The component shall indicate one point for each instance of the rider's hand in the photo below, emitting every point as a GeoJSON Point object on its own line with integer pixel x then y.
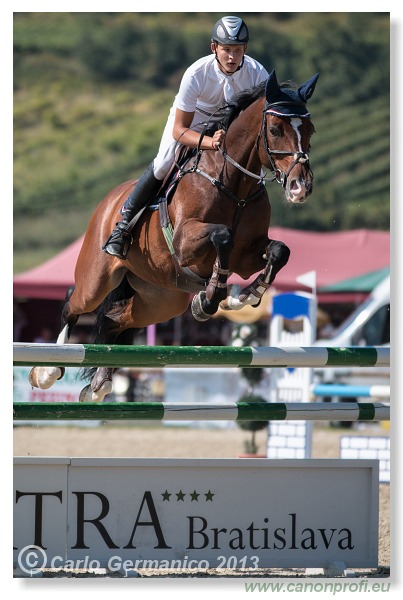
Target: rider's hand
{"type": "Point", "coordinates": [217, 139]}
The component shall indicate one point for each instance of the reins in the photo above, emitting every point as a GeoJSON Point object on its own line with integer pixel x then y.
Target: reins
{"type": "Point", "coordinates": [240, 202]}
{"type": "Point", "coordinates": [277, 174]}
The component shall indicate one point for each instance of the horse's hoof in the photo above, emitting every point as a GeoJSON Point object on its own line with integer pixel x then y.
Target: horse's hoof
{"type": "Point", "coordinates": [83, 394]}
{"type": "Point", "coordinates": [87, 394]}
{"type": "Point", "coordinates": [197, 311]}
{"type": "Point", "coordinates": [231, 302]}
{"type": "Point", "coordinates": [44, 377]}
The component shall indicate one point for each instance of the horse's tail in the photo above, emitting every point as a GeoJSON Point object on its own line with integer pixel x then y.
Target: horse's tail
{"type": "Point", "coordinates": [99, 334]}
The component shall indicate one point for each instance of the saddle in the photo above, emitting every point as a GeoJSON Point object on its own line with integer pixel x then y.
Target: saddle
{"type": "Point", "coordinates": [178, 169]}
{"type": "Point", "coordinates": [186, 280]}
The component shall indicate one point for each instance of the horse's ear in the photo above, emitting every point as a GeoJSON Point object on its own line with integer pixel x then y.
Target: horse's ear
{"type": "Point", "coordinates": [272, 87]}
{"type": "Point", "coordinates": [306, 90]}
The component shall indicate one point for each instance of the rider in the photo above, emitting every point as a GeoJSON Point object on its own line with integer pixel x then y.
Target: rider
{"type": "Point", "coordinates": [206, 87]}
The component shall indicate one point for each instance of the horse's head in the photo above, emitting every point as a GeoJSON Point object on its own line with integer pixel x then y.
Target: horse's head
{"type": "Point", "coordinates": [286, 133]}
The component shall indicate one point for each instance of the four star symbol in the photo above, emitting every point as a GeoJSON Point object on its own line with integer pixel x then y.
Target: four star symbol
{"type": "Point", "coordinates": [166, 496]}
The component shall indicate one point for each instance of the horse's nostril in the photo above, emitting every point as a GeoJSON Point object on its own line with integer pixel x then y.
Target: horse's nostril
{"type": "Point", "coordinates": [295, 185]}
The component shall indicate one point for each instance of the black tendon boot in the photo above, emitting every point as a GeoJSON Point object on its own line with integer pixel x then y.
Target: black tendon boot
{"type": "Point", "coordinates": [119, 241]}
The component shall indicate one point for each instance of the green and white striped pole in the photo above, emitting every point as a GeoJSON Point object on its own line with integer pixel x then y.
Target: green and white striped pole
{"type": "Point", "coordinates": [101, 355]}
{"type": "Point", "coordinates": [183, 411]}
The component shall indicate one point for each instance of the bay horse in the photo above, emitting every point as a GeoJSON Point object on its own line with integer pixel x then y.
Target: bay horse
{"type": "Point", "coordinates": [216, 224]}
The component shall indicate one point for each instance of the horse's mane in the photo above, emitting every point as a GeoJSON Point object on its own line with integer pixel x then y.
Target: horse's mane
{"type": "Point", "coordinates": [244, 99]}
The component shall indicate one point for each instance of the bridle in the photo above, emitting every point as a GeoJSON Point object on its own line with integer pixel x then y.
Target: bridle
{"type": "Point", "coordinates": [278, 175]}
{"type": "Point", "coordinates": [299, 157]}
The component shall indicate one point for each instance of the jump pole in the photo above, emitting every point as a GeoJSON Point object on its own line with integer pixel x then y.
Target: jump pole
{"type": "Point", "coordinates": [351, 391]}
{"type": "Point", "coordinates": [183, 411]}
{"type": "Point", "coordinates": [101, 355]}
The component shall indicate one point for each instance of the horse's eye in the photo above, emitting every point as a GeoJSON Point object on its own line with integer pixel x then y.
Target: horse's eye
{"type": "Point", "coordinates": [274, 131]}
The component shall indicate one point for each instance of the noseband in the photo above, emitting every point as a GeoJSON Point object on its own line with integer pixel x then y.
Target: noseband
{"type": "Point", "coordinates": [299, 157]}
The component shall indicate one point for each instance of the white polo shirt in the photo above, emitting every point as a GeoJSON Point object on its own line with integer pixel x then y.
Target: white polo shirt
{"type": "Point", "coordinates": [205, 88]}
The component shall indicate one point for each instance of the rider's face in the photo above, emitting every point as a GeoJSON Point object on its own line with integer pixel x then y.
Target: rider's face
{"type": "Point", "coordinates": [229, 56]}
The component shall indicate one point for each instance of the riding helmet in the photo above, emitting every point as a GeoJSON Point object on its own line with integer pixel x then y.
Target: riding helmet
{"type": "Point", "coordinates": [230, 30]}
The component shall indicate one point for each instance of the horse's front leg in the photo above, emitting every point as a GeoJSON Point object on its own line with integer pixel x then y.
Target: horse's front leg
{"type": "Point", "coordinates": [205, 303]}
{"type": "Point", "coordinates": [277, 255]}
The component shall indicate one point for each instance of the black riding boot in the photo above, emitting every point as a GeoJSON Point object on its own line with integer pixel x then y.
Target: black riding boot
{"type": "Point", "coordinates": [119, 241]}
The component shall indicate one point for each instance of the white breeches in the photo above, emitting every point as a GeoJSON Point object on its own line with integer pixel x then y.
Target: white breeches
{"type": "Point", "coordinates": [166, 153]}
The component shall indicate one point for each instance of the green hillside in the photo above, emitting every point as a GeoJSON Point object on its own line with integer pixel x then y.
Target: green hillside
{"type": "Point", "coordinates": [92, 92]}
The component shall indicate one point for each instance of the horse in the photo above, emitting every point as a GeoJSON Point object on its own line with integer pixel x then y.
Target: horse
{"type": "Point", "coordinates": [216, 223]}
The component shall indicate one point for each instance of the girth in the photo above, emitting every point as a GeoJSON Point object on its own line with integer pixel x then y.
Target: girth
{"type": "Point", "coordinates": [186, 279]}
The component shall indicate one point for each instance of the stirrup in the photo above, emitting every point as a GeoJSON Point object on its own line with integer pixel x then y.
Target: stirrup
{"type": "Point", "coordinates": [124, 244]}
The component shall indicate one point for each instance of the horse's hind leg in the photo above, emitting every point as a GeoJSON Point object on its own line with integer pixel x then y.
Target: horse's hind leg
{"type": "Point", "coordinates": [101, 381]}
{"type": "Point", "coordinates": [119, 321]}
{"type": "Point", "coordinates": [68, 320]}
{"type": "Point", "coordinates": [277, 255]}
{"type": "Point", "coordinates": [108, 330]}
{"type": "Point", "coordinates": [44, 377]}
{"type": "Point", "coordinates": [85, 297]}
